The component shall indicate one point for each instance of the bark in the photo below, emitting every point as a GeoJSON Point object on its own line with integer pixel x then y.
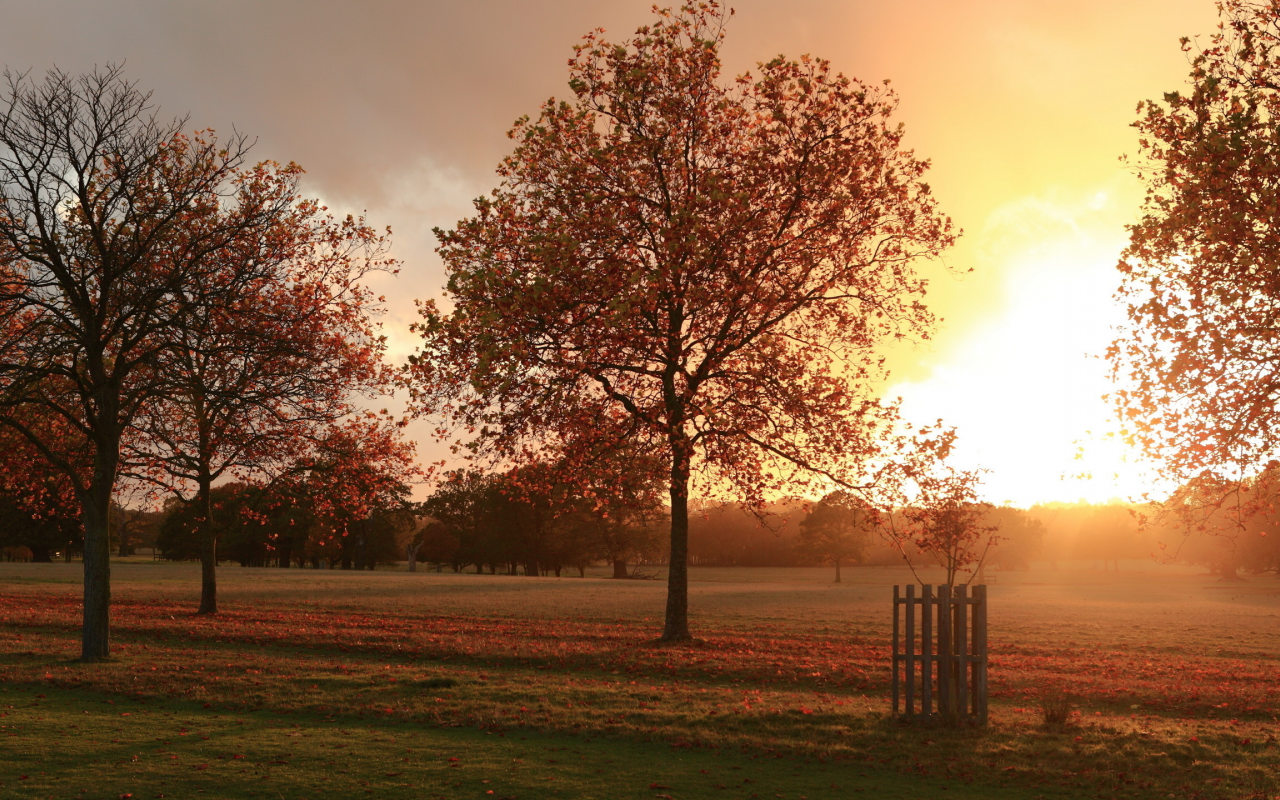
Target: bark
{"type": "Point", "coordinates": [677, 622]}
{"type": "Point", "coordinates": [411, 552]}
{"type": "Point", "coordinates": [619, 568]}
{"type": "Point", "coordinates": [95, 639]}
{"type": "Point", "coordinates": [208, 550]}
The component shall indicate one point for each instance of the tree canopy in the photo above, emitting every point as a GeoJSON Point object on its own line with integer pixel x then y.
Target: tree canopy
{"type": "Point", "coordinates": [699, 268]}
{"type": "Point", "coordinates": [1198, 363]}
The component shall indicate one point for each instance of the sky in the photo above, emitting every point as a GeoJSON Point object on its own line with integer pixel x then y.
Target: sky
{"type": "Point", "coordinates": [400, 110]}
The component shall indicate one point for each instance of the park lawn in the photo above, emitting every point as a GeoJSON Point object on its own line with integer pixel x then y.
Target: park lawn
{"type": "Point", "coordinates": [796, 706]}
{"type": "Point", "coordinates": [63, 743]}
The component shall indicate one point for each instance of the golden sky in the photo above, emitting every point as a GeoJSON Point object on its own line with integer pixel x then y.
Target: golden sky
{"type": "Point", "coordinates": [401, 109]}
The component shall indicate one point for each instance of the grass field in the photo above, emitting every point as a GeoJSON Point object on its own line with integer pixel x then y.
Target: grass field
{"type": "Point", "coordinates": [388, 684]}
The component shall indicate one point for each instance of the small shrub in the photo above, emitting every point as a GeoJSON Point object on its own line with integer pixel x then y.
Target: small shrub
{"type": "Point", "coordinates": [437, 683]}
{"type": "Point", "coordinates": [1055, 706]}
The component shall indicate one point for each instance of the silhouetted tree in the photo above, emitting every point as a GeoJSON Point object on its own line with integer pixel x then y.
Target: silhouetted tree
{"type": "Point", "coordinates": [100, 272]}
{"type": "Point", "coordinates": [1198, 363]}
{"type": "Point", "coordinates": [252, 381]}
{"type": "Point", "coordinates": [945, 523]}
{"type": "Point", "coordinates": [837, 529]}
{"type": "Point", "coordinates": [705, 269]}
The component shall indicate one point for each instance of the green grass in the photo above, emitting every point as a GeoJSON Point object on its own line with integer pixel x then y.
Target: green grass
{"type": "Point", "coordinates": [552, 688]}
{"type": "Point", "coordinates": [79, 745]}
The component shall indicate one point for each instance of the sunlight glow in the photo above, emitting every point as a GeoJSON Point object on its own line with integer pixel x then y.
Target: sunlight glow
{"type": "Point", "coordinates": [1025, 388]}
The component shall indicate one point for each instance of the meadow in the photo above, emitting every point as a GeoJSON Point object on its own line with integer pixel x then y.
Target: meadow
{"type": "Point", "coordinates": [388, 684]}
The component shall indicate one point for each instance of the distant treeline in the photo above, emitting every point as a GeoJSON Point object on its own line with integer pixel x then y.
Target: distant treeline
{"type": "Point", "coordinates": [503, 524]}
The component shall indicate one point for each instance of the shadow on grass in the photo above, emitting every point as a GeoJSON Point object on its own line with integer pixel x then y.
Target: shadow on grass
{"type": "Point", "coordinates": [70, 740]}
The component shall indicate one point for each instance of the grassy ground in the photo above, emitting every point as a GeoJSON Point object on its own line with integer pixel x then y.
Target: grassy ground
{"type": "Point", "coordinates": [554, 688]}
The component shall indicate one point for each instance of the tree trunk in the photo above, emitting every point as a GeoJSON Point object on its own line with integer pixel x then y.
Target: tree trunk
{"type": "Point", "coordinates": [837, 570]}
{"type": "Point", "coordinates": [208, 550]}
{"type": "Point", "coordinates": [41, 555]}
{"type": "Point", "coordinates": [95, 639]}
{"type": "Point", "coordinates": [619, 568]}
{"type": "Point", "coordinates": [677, 622]}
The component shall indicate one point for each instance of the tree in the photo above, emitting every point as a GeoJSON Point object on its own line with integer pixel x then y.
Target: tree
{"type": "Point", "coordinates": [1021, 537]}
{"type": "Point", "coordinates": [738, 535]}
{"type": "Point", "coordinates": [354, 481]}
{"type": "Point", "coordinates": [945, 523]}
{"type": "Point", "coordinates": [837, 529]}
{"type": "Point", "coordinates": [1197, 363]}
{"type": "Point", "coordinates": [38, 509]}
{"type": "Point", "coordinates": [703, 269]}
{"type": "Point", "coordinates": [462, 504]}
{"type": "Point", "coordinates": [433, 543]}
{"type": "Point", "coordinates": [621, 502]}
{"type": "Point", "coordinates": [251, 381]}
{"type": "Point", "coordinates": [100, 272]}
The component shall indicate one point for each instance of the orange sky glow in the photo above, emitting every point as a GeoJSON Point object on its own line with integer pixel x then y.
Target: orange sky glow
{"type": "Point", "coordinates": [1024, 108]}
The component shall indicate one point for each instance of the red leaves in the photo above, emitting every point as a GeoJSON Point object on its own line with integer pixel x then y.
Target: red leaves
{"type": "Point", "coordinates": [697, 269]}
{"type": "Point", "coordinates": [1196, 362]}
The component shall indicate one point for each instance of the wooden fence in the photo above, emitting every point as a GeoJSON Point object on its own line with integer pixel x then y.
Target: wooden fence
{"type": "Point", "coordinates": [940, 667]}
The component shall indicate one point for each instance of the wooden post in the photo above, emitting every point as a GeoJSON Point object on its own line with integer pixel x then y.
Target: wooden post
{"type": "Point", "coordinates": [896, 602]}
{"type": "Point", "coordinates": [911, 651]}
{"type": "Point", "coordinates": [980, 653]}
{"type": "Point", "coordinates": [953, 662]}
{"type": "Point", "coordinates": [926, 650]}
{"type": "Point", "coordinates": [946, 693]}
{"type": "Point", "coordinates": [961, 641]}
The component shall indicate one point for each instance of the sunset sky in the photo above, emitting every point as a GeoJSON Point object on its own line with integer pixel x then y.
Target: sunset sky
{"type": "Point", "coordinates": [401, 109]}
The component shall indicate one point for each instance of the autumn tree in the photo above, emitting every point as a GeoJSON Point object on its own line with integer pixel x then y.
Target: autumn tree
{"type": "Point", "coordinates": [100, 271]}
{"type": "Point", "coordinates": [248, 383]}
{"type": "Point", "coordinates": [38, 508]}
{"type": "Point", "coordinates": [1197, 365]}
{"type": "Point", "coordinates": [837, 529]}
{"type": "Point", "coordinates": [945, 523]}
{"type": "Point", "coordinates": [355, 479]}
{"type": "Point", "coordinates": [708, 266]}
{"type": "Point", "coordinates": [620, 495]}
{"type": "Point", "coordinates": [461, 503]}
{"type": "Point", "coordinates": [1213, 521]}
{"type": "Point", "coordinates": [432, 543]}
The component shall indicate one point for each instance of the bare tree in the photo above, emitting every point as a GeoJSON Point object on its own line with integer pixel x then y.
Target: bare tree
{"type": "Point", "coordinates": [101, 266]}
